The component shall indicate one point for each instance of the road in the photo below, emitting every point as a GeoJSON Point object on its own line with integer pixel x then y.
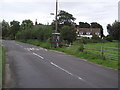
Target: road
{"type": "Point", "coordinates": [35, 67]}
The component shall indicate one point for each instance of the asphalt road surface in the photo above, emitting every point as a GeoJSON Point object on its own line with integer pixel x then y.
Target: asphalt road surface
{"type": "Point", "coordinates": [35, 67]}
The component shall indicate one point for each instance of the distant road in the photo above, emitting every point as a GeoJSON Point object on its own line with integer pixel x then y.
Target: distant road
{"type": "Point", "coordinates": [35, 67]}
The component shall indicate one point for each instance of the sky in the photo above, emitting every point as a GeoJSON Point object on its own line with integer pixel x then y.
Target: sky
{"type": "Point", "coordinates": [102, 11]}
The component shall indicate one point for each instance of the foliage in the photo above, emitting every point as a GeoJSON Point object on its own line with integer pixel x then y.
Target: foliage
{"type": "Point", "coordinates": [26, 24]}
{"type": "Point", "coordinates": [81, 48]}
{"type": "Point", "coordinates": [94, 39]}
{"type": "Point", "coordinates": [84, 25]}
{"type": "Point", "coordinates": [114, 30]}
{"type": "Point", "coordinates": [38, 32]}
{"type": "Point", "coordinates": [5, 29]}
{"type": "Point", "coordinates": [83, 40]}
{"type": "Point", "coordinates": [64, 18]}
{"type": "Point", "coordinates": [68, 34]}
{"type": "Point", "coordinates": [109, 29]}
{"type": "Point", "coordinates": [109, 38]}
{"type": "Point", "coordinates": [14, 28]}
{"type": "Point", "coordinates": [97, 25]}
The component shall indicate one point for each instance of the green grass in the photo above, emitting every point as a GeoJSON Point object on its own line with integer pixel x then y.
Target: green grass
{"type": "Point", "coordinates": [106, 50]}
{"type": "Point", "coordinates": [2, 63]}
{"type": "Point", "coordinates": [90, 55]}
{"type": "Point", "coordinates": [0, 66]}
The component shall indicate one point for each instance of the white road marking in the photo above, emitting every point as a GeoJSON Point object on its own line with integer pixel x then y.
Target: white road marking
{"type": "Point", "coordinates": [37, 49]}
{"type": "Point", "coordinates": [17, 44]}
{"type": "Point", "coordinates": [66, 71]}
{"type": "Point", "coordinates": [30, 48]}
{"type": "Point", "coordinates": [38, 55]}
{"type": "Point", "coordinates": [21, 46]}
{"type": "Point", "coordinates": [45, 49]}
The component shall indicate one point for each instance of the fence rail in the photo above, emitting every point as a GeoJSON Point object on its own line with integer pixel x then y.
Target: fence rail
{"type": "Point", "coordinates": [111, 53]}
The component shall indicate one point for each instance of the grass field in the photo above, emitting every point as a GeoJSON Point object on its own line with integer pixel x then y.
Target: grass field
{"type": "Point", "coordinates": [90, 55]}
{"type": "Point", "coordinates": [0, 65]}
{"type": "Point", "coordinates": [109, 50]}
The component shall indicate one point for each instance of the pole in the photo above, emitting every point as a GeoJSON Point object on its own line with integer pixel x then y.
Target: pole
{"type": "Point", "coordinates": [56, 26]}
{"type": "Point", "coordinates": [56, 16]}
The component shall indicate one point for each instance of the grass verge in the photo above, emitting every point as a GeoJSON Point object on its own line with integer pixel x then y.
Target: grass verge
{"type": "Point", "coordinates": [2, 64]}
{"type": "Point", "coordinates": [73, 50]}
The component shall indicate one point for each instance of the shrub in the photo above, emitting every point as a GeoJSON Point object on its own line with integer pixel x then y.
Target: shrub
{"type": "Point", "coordinates": [81, 48]}
{"type": "Point", "coordinates": [39, 33]}
{"type": "Point", "coordinates": [109, 38]}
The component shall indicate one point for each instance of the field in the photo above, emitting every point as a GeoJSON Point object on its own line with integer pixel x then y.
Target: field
{"type": "Point", "coordinates": [89, 55]}
{"type": "Point", "coordinates": [109, 49]}
{"type": "Point", "coordinates": [2, 63]}
{"type": "Point", "coordinates": [0, 66]}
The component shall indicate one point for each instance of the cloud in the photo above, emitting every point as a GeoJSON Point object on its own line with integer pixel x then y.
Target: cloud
{"type": "Point", "coordinates": [101, 11]}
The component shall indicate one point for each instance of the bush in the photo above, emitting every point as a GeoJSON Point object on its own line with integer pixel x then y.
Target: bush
{"type": "Point", "coordinates": [68, 34]}
{"type": "Point", "coordinates": [109, 38]}
{"type": "Point", "coordinates": [81, 48]}
{"type": "Point", "coordinates": [37, 32]}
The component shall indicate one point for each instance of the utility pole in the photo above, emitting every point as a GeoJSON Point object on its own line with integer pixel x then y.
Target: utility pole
{"type": "Point", "coordinates": [56, 26]}
{"type": "Point", "coordinates": [56, 35]}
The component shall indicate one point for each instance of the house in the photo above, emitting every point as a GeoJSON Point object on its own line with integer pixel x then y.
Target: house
{"type": "Point", "coordinates": [88, 32]}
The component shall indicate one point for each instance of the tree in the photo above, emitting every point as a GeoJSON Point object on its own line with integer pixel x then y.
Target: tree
{"type": "Point", "coordinates": [14, 28]}
{"type": "Point", "coordinates": [26, 24]}
{"type": "Point", "coordinates": [64, 18]}
{"type": "Point", "coordinates": [97, 25]}
{"type": "Point", "coordinates": [68, 34]}
{"type": "Point", "coordinates": [109, 29]}
{"type": "Point", "coordinates": [5, 29]}
{"type": "Point", "coordinates": [0, 30]}
{"type": "Point", "coordinates": [84, 25]}
{"type": "Point", "coordinates": [114, 30]}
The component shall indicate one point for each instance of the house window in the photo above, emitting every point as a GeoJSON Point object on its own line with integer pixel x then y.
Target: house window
{"type": "Point", "coordinates": [97, 33]}
{"type": "Point", "coordinates": [81, 33]}
{"type": "Point", "coordinates": [88, 33]}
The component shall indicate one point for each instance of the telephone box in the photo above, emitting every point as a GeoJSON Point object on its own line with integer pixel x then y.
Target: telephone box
{"type": "Point", "coordinates": [55, 40]}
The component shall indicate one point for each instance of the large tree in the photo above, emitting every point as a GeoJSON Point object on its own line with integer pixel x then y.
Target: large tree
{"type": "Point", "coordinates": [97, 25]}
{"type": "Point", "coordinates": [114, 30]}
{"type": "Point", "coordinates": [26, 24]}
{"type": "Point", "coordinates": [84, 25]}
{"type": "Point", "coordinates": [14, 28]}
{"type": "Point", "coordinates": [68, 34]}
{"type": "Point", "coordinates": [5, 29]}
{"type": "Point", "coordinates": [63, 18]}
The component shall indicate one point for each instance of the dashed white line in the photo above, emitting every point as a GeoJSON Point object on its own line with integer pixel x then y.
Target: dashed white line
{"type": "Point", "coordinates": [17, 44]}
{"type": "Point", "coordinates": [21, 46]}
{"type": "Point", "coordinates": [45, 49]}
{"type": "Point", "coordinates": [66, 71]}
{"type": "Point", "coordinates": [38, 55]}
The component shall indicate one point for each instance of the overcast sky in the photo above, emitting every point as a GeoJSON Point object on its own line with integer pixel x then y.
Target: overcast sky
{"type": "Point", "coordinates": [101, 11]}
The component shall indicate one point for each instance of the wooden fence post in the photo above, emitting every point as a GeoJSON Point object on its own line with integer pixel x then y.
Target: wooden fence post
{"type": "Point", "coordinates": [101, 51]}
